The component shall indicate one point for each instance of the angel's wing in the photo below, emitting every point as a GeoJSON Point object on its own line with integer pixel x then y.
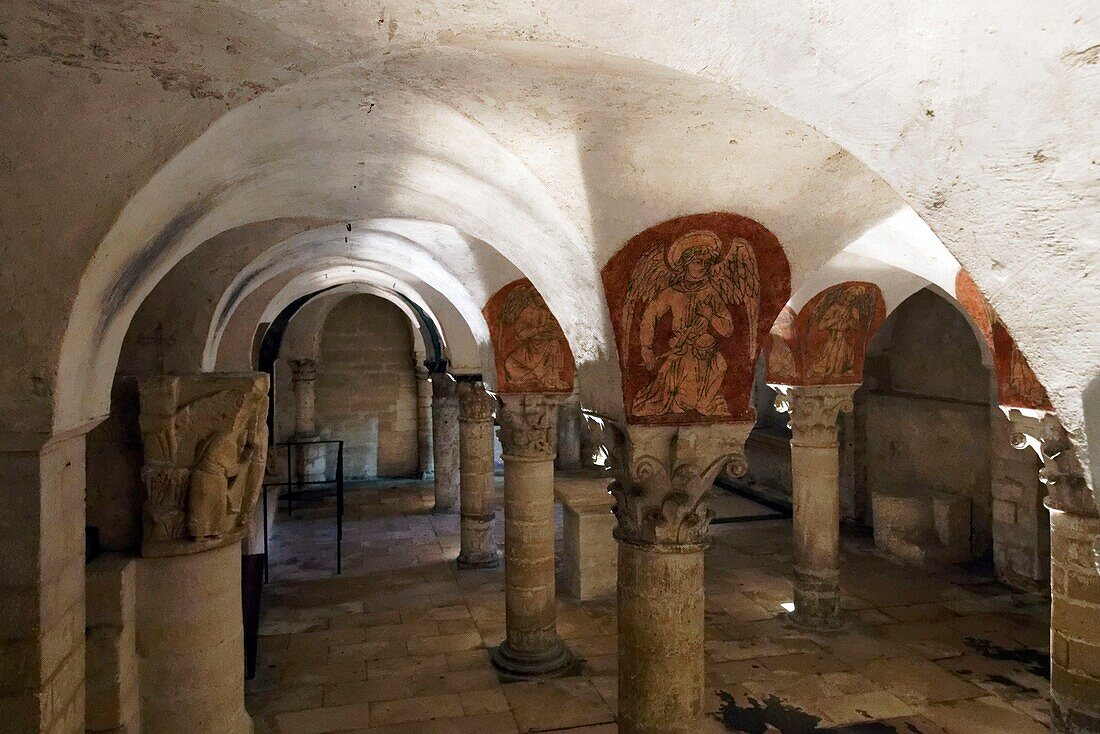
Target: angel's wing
{"type": "Point", "coordinates": [739, 282]}
{"type": "Point", "coordinates": [517, 300]}
{"type": "Point", "coordinates": [650, 276]}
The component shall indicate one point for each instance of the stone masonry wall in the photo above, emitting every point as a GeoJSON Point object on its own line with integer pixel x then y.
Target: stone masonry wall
{"type": "Point", "coordinates": [923, 420]}
{"type": "Point", "coordinates": [365, 373]}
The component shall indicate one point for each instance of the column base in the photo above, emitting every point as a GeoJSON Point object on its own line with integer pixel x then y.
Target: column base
{"type": "Point", "coordinates": [444, 509]}
{"type": "Point", "coordinates": [1066, 719]}
{"type": "Point", "coordinates": [483, 559]}
{"type": "Point", "coordinates": [816, 622]}
{"type": "Point", "coordinates": [816, 601]}
{"type": "Point", "coordinates": [551, 663]}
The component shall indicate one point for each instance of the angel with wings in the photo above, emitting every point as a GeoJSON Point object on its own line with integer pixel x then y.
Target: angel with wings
{"type": "Point", "coordinates": [538, 357]}
{"type": "Point", "coordinates": [696, 279]}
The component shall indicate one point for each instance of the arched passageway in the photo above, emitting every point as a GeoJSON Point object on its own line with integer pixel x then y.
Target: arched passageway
{"type": "Point", "coordinates": [672, 201]}
{"type": "Point", "coordinates": [922, 432]}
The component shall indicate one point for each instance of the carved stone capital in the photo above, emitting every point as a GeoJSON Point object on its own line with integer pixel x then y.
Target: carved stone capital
{"type": "Point", "coordinates": [303, 370]}
{"type": "Point", "coordinates": [813, 410]}
{"type": "Point", "coordinates": [204, 438]}
{"type": "Point", "coordinates": [475, 403]}
{"type": "Point", "coordinates": [443, 385]}
{"type": "Point", "coordinates": [529, 425]}
{"type": "Point", "coordinates": [662, 474]}
{"type": "Point", "coordinates": [1042, 432]}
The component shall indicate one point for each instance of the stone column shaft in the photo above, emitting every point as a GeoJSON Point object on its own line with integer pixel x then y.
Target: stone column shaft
{"type": "Point", "coordinates": [190, 641]}
{"type": "Point", "coordinates": [445, 441]}
{"type": "Point", "coordinates": [661, 475]}
{"type": "Point", "coordinates": [1074, 576]}
{"type": "Point", "coordinates": [815, 479]}
{"type": "Point", "coordinates": [1074, 623]}
{"type": "Point", "coordinates": [303, 383]}
{"type": "Point", "coordinates": [478, 549]}
{"type": "Point", "coordinates": [532, 648]}
{"type": "Point", "coordinates": [424, 419]}
{"type": "Point", "coordinates": [310, 459]}
{"type": "Point", "coordinates": [661, 636]}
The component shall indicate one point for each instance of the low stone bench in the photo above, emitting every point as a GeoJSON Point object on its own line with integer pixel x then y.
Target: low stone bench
{"type": "Point", "coordinates": [922, 528]}
{"type": "Point", "coordinates": [590, 554]}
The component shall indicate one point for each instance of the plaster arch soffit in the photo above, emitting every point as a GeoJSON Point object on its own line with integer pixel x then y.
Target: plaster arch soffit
{"type": "Point", "coordinates": [451, 171]}
{"type": "Point", "coordinates": [461, 327]}
{"type": "Point", "coordinates": [309, 322]}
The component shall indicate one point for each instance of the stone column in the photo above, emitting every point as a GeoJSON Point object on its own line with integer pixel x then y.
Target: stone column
{"type": "Point", "coordinates": [570, 417]}
{"type": "Point", "coordinates": [528, 435]}
{"type": "Point", "coordinates": [445, 441]}
{"type": "Point", "coordinates": [661, 475]}
{"type": "Point", "coordinates": [815, 483]}
{"type": "Point", "coordinates": [309, 459]}
{"type": "Point", "coordinates": [478, 549]}
{"type": "Point", "coordinates": [1074, 578]}
{"type": "Point", "coordinates": [205, 444]}
{"type": "Point", "coordinates": [424, 421]}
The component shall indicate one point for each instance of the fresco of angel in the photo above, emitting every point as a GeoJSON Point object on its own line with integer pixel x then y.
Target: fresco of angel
{"type": "Point", "coordinates": [695, 279]}
{"type": "Point", "coordinates": [538, 358]}
{"type": "Point", "coordinates": [841, 314]}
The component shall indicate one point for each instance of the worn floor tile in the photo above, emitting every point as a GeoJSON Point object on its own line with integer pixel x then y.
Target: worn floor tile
{"type": "Point", "coordinates": [398, 644]}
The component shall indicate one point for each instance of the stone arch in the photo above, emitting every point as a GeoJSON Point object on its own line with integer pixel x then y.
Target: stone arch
{"type": "Point", "coordinates": [924, 429]}
{"type": "Point", "coordinates": [448, 329]}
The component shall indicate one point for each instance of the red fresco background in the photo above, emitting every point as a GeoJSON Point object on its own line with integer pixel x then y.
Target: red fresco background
{"type": "Point", "coordinates": [1017, 385]}
{"type": "Point", "coordinates": [775, 284]}
{"type": "Point", "coordinates": [504, 342]}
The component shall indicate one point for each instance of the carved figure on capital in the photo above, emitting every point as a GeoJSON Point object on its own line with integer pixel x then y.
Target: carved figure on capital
{"type": "Point", "coordinates": [691, 300]}
{"type": "Point", "coordinates": [529, 425]}
{"type": "Point", "coordinates": [303, 369]}
{"type": "Point", "coordinates": [205, 448]}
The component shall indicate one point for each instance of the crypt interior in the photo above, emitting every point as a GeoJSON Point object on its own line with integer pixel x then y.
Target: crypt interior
{"type": "Point", "coordinates": [527, 366]}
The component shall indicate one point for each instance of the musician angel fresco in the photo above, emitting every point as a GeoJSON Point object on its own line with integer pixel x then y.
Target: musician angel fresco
{"type": "Point", "coordinates": [840, 317]}
{"type": "Point", "coordinates": [539, 356]}
{"type": "Point", "coordinates": [695, 279]}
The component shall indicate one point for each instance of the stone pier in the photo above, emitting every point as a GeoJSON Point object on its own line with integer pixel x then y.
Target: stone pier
{"type": "Point", "coordinates": [478, 549]}
{"type": "Point", "coordinates": [815, 482]}
{"type": "Point", "coordinates": [445, 440]}
{"type": "Point", "coordinates": [425, 459]}
{"type": "Point", "coordinates": [661, 475]}
{"type": "Point", "coordinates": [570, 418]}
{"type": "Point", "coordinates": [528, 435]}
{"type": "Point", "coordinates": [309, 459]}
{"type": "Point", "coordinates": [205, 443]}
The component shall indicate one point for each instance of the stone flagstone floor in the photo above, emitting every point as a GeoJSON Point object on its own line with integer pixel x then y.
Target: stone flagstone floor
{"type": "Point", "coordinates": [398, 643]}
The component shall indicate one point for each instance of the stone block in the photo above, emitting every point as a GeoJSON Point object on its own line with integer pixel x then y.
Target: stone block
{"type": "Point", "coordinates": [1004, 512]}
{"type": "Point", "coordinates": [589, 552]}
{"type": "Point", "coordinates": [922, 528]}
{"type": "Point", "coordinates": [110, 590]}
{"type": "Point", "coordinates": [111, 667]}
